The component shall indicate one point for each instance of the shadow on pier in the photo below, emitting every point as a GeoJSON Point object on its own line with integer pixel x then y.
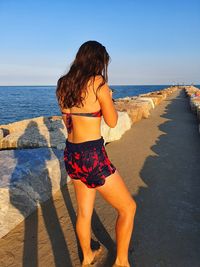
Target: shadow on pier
{"type": "Point", "coordinates": [168, 214]}
{"type": "Point", "coordinates": [38, 187]}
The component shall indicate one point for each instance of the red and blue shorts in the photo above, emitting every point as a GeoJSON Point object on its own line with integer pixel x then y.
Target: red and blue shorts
{"type": "Point", "coordinates": [88, 161]}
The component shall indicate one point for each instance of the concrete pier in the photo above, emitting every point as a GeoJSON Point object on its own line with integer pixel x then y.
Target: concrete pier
{"type": "Point", "coordinates": [158, 159]}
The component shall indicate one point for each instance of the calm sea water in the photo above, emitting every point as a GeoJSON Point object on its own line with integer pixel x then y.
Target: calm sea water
{"type": "Point", "coordinates": [23, 102]}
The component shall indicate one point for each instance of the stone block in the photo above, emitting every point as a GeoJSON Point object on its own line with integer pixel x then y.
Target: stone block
{"type": "Point", "coordinates": [50, 132]}
{"type": "Point", "coordinates": [111, 134]}
{"type": "Point", "coordinates": [28, 177]}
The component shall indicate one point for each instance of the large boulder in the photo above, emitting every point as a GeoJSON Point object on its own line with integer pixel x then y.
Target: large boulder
{"type": "Point", "coordinates": [194, 95]}
{"type": "Point", "coordinates": [194, 103]}
{"type": "Point", "coordinates": [51, 132]}
{"type": "Point", "coordinates": [123, 124]}
{"type": "Point", "coordinates": [32, 133]}
{"type": "Point", "coordinates": [1, 134]}
{"type": "Point", "coordinates": [27, 178]}
{"type": "Point", "coordinates": [191, 90]}
{"type": "Point", "coordinates": [147, 99]}
{"type": "Point", "coordinates": [136, 109]}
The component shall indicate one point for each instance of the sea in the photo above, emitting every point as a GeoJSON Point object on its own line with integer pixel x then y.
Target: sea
{"type": "Point", "coordinates": [24, 102]}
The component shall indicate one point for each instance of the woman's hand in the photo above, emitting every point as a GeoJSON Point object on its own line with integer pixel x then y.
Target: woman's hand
{"type": "Point", "coordinates": [111, 93]}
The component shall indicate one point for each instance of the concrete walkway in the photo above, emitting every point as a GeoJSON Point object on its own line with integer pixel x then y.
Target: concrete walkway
{"type": "Point", "coordinates": [159, 159]}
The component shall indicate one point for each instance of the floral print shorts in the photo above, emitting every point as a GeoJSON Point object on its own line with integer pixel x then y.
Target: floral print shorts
{"type": "Point", "coordinates": [88, 161]}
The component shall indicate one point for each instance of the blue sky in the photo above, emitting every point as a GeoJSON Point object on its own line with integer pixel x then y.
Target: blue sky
{"type": "Point", "coordinates": [149, 41]}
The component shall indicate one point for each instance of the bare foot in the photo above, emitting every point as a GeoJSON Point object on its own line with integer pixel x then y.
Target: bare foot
{"type": "Point", "coordinates": [121, 265]}
{"type": "Point", "coordinates": [116, 265]}
{"type": "Point", "coordinates": [93, 258]}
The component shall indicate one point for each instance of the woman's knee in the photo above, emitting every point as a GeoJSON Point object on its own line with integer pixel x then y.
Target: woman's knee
{"type": "Point", "coordinates": [134, 206]}
{"type": "Point", "coordinates": [84, 213]}
{"type": "Point", "coordinates": [129, 209]}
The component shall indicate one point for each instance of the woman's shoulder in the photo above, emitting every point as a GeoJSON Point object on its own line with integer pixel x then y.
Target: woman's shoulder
{"type": "Point", "coordinates": [99, 79]}
{"type": "Point", "coordinates": [95, 82]}
{"type": "Point", "coordinates": [95, 79]}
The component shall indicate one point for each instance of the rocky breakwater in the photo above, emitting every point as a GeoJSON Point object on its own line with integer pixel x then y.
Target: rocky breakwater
{"type": "Point", "coordinates": [194, 95]}
{"type": "Point", "coordinates": [31, 155]}
{"type": "Point", "coordinates": [32, 167]}
{"type": "Point", "coordinates": [139, 107]}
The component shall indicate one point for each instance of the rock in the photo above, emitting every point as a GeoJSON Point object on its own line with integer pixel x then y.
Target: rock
{"type": "Point", "coordinates": [147, 99]}
{"type": "Point", "coordinates": [51, 132]}
{"type": "Point", "coordinates": [136, 109]}
{"type": "Point", "coordinates": [194, 103]}
{"type": "Point", "coordinates": [28, 177]}
{"type": "Point", "coordinates": [194, 94]}
{"type": "Point", "coordinates": [37, 132]}
{"type": "Point", "coordinates": [191, 90]}
{"type": "Point", "coordinates": [111, 134]}
{"type": "Point", "coordinates": [135, 114]}
{"type": "Point", "coordinates": [1, 134]}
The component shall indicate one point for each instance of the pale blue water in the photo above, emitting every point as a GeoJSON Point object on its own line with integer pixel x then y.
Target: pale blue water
{"type": "Point", "coordinates": [23, 102]}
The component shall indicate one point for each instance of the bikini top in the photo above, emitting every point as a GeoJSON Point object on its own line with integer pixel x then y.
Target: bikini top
{"type": "Point", "coordinates": [69, 124]}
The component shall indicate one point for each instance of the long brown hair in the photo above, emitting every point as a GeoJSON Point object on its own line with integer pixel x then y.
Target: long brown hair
{"type": "Point", "coordinates": [91, 60]}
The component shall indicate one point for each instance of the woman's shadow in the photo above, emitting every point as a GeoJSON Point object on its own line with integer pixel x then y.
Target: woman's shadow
{"type": "Point", "coordinates": [30, 191]}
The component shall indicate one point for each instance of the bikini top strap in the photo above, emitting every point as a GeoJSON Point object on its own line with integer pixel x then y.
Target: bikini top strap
{"type": "Point", "coordinates": [88, 114]}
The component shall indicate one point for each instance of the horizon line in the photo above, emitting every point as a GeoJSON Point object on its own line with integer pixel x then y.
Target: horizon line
{"type": "Point", "coordinates": [171, 84]}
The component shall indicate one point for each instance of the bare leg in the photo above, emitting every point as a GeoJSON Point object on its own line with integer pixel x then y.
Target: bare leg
{"type": "Point", "coordinates": [116, 193]}
{"type": "Point", "coordinates": [85, 203]}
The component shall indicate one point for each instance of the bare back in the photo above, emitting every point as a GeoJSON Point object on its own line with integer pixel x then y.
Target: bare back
{"type": "Point", "coordinates": [89, 128]}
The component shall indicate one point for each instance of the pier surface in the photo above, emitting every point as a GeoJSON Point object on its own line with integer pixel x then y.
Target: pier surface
{"type": "Point", "coordinates": [159, 159]}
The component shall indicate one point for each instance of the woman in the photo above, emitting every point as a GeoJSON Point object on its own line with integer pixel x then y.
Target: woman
{"type": "Point", "coordinates": [84, 96]}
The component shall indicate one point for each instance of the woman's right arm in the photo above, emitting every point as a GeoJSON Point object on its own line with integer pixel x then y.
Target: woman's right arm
{"type": "Point", "coordinates": [104, 95]}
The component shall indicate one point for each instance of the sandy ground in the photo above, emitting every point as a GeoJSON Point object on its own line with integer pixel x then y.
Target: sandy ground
{"type": "Point", "coordinates": [159, 159]}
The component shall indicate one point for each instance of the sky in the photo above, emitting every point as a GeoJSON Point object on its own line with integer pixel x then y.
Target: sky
{"type": "Point", "coordinates": [149, 41]}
